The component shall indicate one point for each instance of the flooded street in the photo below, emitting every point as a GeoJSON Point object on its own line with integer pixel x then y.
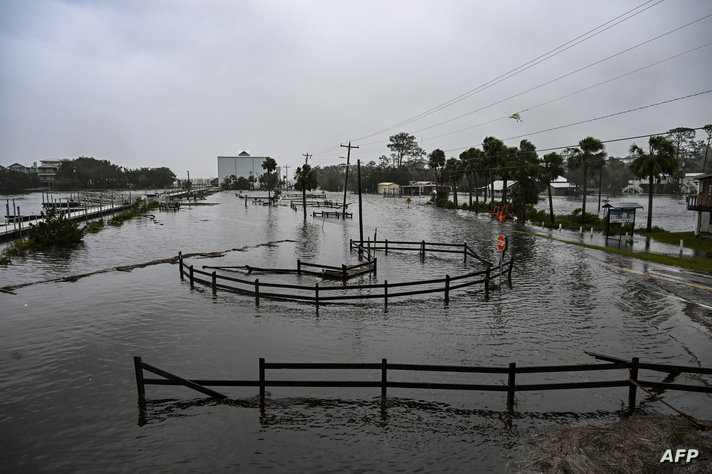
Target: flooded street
{"type": "Point", "coordinates": [67, 387]}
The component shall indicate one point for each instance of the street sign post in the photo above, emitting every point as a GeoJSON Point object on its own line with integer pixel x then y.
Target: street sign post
{"type": "Point", "coordinates": [502, 247]}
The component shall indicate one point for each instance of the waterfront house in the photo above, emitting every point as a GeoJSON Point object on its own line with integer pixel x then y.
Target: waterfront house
{"type": "Point", "coordinates": [498, 186]}
{"type": "Point", "coordinates": [388, 188]}
{"type": "Point", "coordinates": [561, 187]}
{"type": "Point", "coordinates": [702, 204]}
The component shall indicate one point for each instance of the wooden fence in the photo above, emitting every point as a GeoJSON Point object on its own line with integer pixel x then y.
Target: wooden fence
{"type": "Point", "coordinates": [330, 294]}
{"type": "Point", "coordinates": [422, 247]}
{"type": "Point", "coordinates": [385, 369]}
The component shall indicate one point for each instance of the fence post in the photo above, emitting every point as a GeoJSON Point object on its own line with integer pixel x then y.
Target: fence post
{"type": "Point", "coordinates": [262, 380]}
{"type": "Point", "coordinates": [422, 250]}
{"type": "Point", "coordinates": [464, 252]}
{"type": "Point", "coordinates": [386, 246]}
{"type": "Point", "coordinates": [215, 286]}
{"type": "Point", "coordinates": [299, 267]}
{"type": "Point", "coordinates": [487, 278]}
{"type": "Point", "coordinates": [375, 266]}
{"type": "Point", "coordinates": [180, 264]}
{"type": "Point", "coordinates": [139, 380]}
{"type": "Point", "coordinates": [385, 293]}
{"type": "Point", "coordinates": [351, 244]}
{"type": "Point", "coordinates": [633, 372]}
{"type": "Point", "coordinates": [343, 273]}
{"type": "Point", "coordinates": [510, 384]}
{"type": "Point", "coordinates": [384, 379]}
{"type": "Point", "coordinates": [316, 294]}
{"type": "Point", "coordinates": [509, 272]}
{"type": "Point", "coordinates": [191, 275]}
{"type": "Point", "coordinates": [447, 289]}
{"type": "Point", "coordinates": [257, 291]}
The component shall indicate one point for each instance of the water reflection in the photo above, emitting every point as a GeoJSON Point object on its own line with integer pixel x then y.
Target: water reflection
{"type": "Point", "coordinates": [308, 237]}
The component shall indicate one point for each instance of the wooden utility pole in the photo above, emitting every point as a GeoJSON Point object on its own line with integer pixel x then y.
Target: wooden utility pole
{"type": "Point", "coordinates": [306, 156]}
{"type": "Point", "coordinates": [360, 209]}
{"type": "Point", "coordinates": [346, 178]}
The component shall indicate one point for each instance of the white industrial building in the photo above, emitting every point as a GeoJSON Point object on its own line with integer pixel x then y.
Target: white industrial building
{"type": "Point", "coordinates": [242, 165]}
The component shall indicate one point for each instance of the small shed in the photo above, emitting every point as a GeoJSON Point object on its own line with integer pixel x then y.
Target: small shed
{"type": "Point", "coordinates": [388, 188]}
{"type": "Point", "coordinates": [620, 213]}
{"type": "Point", "coordinates": [702, 204]}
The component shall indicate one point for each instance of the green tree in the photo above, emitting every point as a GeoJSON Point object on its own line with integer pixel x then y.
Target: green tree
{"type": "Point", "coordinates": [681, 136]}
{"type": "Point", "coordinates": [526, 168]}
{"type": "Point", "coordinates": [436, 160]}
{"type": "Point", "coordinates": [552, 169]}
{"type": "Point", "coordinates": [472, 160]}
{"type": "Point", "coordinates": [16, 181]}
{"type": "Point", "coordinates": [588, 154]}
{"type": "Point", "coordinates": [55, 229]}
{"type": "Point", "coordinates": [494, 150]}
{"type": "Point", "coordinates": [404, 145]}
{"type": "Point", "coordinates": [708, 130]}
{"type": "Point", "coordinates": [306, 180]}
{"type": "Point", "coordinates": [660, 159]}
{"type": "Point", "coordinates": [453, 172]}
{"type": "Point", "coordinates": [269, 180]}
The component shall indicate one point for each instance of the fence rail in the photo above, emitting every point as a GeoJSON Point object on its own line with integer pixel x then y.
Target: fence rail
{"type": "Point", "coordinates": [384, 369]}
{"type": "Point", "coordinates": [314, 294]}
{"type": "Point", "coordinates": [422, 247]}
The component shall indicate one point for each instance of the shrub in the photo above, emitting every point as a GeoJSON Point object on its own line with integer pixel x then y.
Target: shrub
{"type": "Point", "coordinates": [55, 229]}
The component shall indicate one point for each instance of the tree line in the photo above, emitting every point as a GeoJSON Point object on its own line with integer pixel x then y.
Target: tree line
{"type": "Point", "coordinates": [90, 173]}
{"type": "Point", "coordinates": [587, 166]}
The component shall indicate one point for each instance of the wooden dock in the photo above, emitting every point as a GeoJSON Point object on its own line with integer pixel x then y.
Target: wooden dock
{"type": "Point", "coordinates": [335, 214]}
{"type": "Point", "coordinates": [17, 226]}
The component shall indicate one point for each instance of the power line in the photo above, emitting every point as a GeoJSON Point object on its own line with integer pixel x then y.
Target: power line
{"type": "Point", "coordinates": [610, 115]}
{"type": "Point", "coordinates": [575, 92]}
{"type": "Point", "coordinates": [558, 50]}
{"type": "Point", "coordinates": [567, 74]}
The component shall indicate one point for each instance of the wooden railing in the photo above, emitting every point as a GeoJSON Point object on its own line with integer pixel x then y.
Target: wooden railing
{"type": "Point", "coordinates": [384, 370]}
{"type": "Point", "coordinates": [316, 294]}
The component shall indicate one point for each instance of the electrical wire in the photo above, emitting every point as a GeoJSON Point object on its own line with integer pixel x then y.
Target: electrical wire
{"type": "Point", "coordinates": [548, 55]}
{"type": "Point", "coordinates": [572, 93]}
{"type": "Point", "coordinates": [558, 50]}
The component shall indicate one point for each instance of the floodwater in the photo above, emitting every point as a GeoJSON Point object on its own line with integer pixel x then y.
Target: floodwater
{"type": "Point", "coordinates": [67, 388]}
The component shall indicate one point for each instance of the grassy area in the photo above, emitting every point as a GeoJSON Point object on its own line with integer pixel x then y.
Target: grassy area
{"type": "Point", "coordinates": [674, 238]}
{"type": "Point", "coordinates": [697, 264]}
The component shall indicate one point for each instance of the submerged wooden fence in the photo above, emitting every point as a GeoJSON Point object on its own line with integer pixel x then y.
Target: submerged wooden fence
{"type": "Point", "coordinates": [384, 381]}
{"type": "Point", "coordinates": [422, 247]}
{"type": "Point", "coordinates": [330, 294]}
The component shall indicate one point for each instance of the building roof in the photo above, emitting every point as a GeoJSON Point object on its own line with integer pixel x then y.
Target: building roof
{"type": "Point", "coordinates": [623, 205]}
{"type": "Point", "coordinates": [703, 176]}
{"type": "Point", "coordinates": [560, 185]}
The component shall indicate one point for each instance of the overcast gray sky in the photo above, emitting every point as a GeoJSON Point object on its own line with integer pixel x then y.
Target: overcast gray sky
{"type": "Point", "coordinates": [177, 83]}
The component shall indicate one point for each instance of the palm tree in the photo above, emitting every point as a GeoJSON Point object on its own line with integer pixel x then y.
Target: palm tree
{"type": "Point", "coordinates": [660, 159]}
{"type": "Point", "coordinates": [494, 151]}
{"type": "Point", "coordinates": [472, 160]}
{"type": "Point", "coordinates": [553, 168]}
{"type": "Point", "coordinates": [269, 165]}
{"type": "Point", "coordinates": [436, 160]}
{"type": "Point", "coordinates": [306, 179]}
{"type": "Point", "coordinates": [589, 152]}
{"type": "Point", "coordinates": [454, 170]}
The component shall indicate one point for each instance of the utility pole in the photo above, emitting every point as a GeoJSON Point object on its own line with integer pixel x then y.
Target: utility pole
{"type": "Point", "coordinates": [346, 178]}
{"type": "Point", "coordinates": [286, 174]}
{"type": "Point", "coordinates": [360, 209]}
{"type": "Point", "coordinates": [307, 156]}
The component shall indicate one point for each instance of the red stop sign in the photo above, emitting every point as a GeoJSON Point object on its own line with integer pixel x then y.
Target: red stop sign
{"type": "Point", "coordinates": [501, 243]}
